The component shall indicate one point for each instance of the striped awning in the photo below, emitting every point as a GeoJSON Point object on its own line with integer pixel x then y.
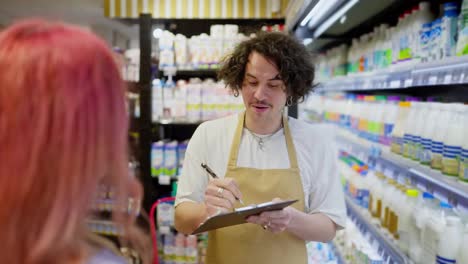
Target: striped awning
{"type": "Point", "coordinates": [196, 8]}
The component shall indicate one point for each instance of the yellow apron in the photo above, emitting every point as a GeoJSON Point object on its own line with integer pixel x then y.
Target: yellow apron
{"type": "Point", "coordinates": [249, 243]}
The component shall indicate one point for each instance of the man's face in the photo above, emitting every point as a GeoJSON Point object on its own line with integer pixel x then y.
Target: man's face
{"type": "Point", "coordinates": [263, 91]}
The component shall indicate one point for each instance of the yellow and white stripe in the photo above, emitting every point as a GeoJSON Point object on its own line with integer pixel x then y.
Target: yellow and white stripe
{"type": "Point", "coordinates": [194, 8]}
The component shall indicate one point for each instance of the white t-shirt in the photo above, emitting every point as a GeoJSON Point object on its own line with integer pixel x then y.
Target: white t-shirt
{"type": "Point", "coordinates": [315, 151]}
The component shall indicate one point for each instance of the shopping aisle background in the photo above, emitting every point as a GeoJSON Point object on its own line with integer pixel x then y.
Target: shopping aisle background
{"type": "Point", "coordinates": [392, 78]}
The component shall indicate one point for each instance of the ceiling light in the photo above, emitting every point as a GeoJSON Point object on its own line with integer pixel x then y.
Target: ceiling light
{"type": "Point", "coordinates": [307, 41]}
{"type": "Point", "coordinates": [318, 12]}
{"type": "Point", "coordinates": [343, 19]}
{"type": "Point", "coordinates": [331, 20]}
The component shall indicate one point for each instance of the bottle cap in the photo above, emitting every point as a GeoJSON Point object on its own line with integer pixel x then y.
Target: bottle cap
{"type": "Point", "coordinates": [445, 205]}
{"type": "Point", "coordinates": [427, 195]}
{"type": "Point", "coordinates": [412, 193]}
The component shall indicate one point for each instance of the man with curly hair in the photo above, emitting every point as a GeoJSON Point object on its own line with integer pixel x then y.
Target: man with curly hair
{"type": "Point", "coordinates": [262, 155]}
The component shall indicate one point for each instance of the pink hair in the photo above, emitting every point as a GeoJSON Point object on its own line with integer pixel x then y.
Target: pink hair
{"type": "Point", "coordinates": [63, 131]}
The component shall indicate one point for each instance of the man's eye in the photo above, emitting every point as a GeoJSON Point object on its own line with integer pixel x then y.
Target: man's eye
{"type": "Point", "coordinates": [252, 83]}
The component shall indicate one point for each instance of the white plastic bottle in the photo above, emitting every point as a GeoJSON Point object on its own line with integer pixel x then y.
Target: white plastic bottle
{"type": "Point", "coordinates": [452, 236]}
{"type": "Point", "coordinates": [462, 42]}
{"type": "Point", "coordinates": [449, 29]}
{"type": "Point", "coordinates": [421, 116]}
{"type": "Point", "coordinates": [375, 200]}
{"type": "Point", "coordinates": [406, 223]}
{"type": "Point", "coordinates": [453, 142]}
{"type": "Point", "coordinates": [420, 216]}
{"type": "Point", "coordinates": [399, 128]}
{"type": "Point", "coordinates": [425, 42]}
{"type": "Point", "coordinates": [386, 201]}
{"type": "Point", "coordinates": [463, 253]}
{"type": "Point", "coordinates": [436, 50]}
{"type": "Point", "coordinates": [409, 129]}
{"type": "Point", "coordinates": [422, 17]}
{"type": "Point", "coordinates": [396, 43]}
{"type": "Point", "coordinates": [432, 234]}
{"type": "Point", "coordinates": [463, 171]}
{"type": "Point", "coordinates": [428, 129]}
{"type": "Point", "coordinates": [437, 144]}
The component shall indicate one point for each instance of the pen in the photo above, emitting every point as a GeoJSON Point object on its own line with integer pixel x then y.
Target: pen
{"type": "Point", "coordinates": [212, 174]}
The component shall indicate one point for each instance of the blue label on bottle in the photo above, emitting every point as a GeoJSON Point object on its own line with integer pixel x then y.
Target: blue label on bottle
{"type": "Point", "coordinates": [443, 260]}
{"type": "Point", "coordinates": [437, 147]}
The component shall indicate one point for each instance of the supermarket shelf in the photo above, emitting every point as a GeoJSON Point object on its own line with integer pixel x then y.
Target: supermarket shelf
{"type": "Point", "coordinates": [387, 248]}
{"type": "Point", "coordinates": [177, 122]}
{"type": "Point", "coordinates": [132, 86]}
{"type": "Point", "coordinates": [432, 181]}
{"type": "Point", "coordinates": [339, 256]}
{"type": "Point", "coordinates": [190, 73]}
{"type": "Point", "coordinates": [451, 71]}
{"type": "Point", "coordinates": [165, 179]}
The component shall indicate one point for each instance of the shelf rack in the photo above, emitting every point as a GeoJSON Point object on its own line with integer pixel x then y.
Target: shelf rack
{"type": "Point", "coordinates": [391, 253]}
{"type": "Point", "coordinates": [443, 187]}
{"type": "Point", "coordinates": [451, 71]}
{"type": "Point", "coordinates": [339, 256]}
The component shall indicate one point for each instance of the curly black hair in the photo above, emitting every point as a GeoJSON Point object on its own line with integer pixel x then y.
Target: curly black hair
{"type": "Point", "coordinates": [294, 62]}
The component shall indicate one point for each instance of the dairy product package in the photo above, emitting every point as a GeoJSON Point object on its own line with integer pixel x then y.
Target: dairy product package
{"type": "Point", "coordinates": [462, 43]}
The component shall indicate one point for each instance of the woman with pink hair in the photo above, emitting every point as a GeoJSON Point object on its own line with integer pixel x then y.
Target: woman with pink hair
{"type": "Point", "coordinates": [63, 132]}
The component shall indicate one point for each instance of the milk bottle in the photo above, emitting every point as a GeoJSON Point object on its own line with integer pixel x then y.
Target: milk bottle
{"type": "Point", "coordinates": [432, 233]}
{"type": "Point", "coordinates": [463, 171]}
{"type": "Point", "coordinates": [399, 128]}
{"type": "Point", "coordinates": [377, 190]}
{"type": "Point", "coordinates": [390, 117]}
{"type": "Point", "coordinates": [409, 130]}
{"type": "Point", "coordinates": [428, 129]}
{"type": "Point", "coordinates": [386, 200]}
{"type": "Point", "coordinates": [451, 238]}
{"type": "Point", "coordinates": [418, 125]}
{"type": "Point", "coordinates": [463, 253]}
{"type": "Point", "coordinates": [437, 144]}
{"type": "Point", "coordinates": [405, 227]}
{"type": "Point", "coordinates": [420, 217]}
{"type": "Point", "coordinates": [453, 141]}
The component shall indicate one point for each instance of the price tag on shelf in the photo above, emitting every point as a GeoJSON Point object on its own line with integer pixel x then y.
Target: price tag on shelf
{"type": "Point", "coordinates": [462, 78]}
{"type": "Point", "coordinates": [378, 166]}
{"type": "Point", "coordinates": [432, 80]}
{"type": "Point", "coordinates": [164, 179]}
{"type": "Point", "coordinates": [164, 230]}
{"type": "Point", "coordinates": [408, 82]}
{"type": "Point", "coordinates": [395, 84]}
{"type": "Point", "coordinates": [448, 78]}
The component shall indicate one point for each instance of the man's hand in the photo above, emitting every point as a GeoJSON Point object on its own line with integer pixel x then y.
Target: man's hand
{"type": "Point", "coordinates": [220, 196]}
{"type": "Point", "coordinates": [274, 221]}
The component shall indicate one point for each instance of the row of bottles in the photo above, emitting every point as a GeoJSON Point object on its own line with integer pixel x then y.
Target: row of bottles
{"type": "Point", "coordinates": [192, 100]}
{"type": "Point", "coordinates": [417, 37]}
{"type": "Point", "coordinates": [181, 249]}
{"type": "Point", "coordinates": [356, 246]}
{"type": "Point", "coordinates": [174, 247]}
{"type": "Point", "coordinates": [425, 229]}
{"type": "Point", "coordinates": [167, 157]}
{"type": "Point", "coordinates": [431, 133]}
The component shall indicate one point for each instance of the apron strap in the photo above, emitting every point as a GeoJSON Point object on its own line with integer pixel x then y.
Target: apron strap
{"type": "Point", "coordinates": [236, 141]}
{"type": "Point", "coordinates": [235, 145]}
{"type": "Point", "coordinates": [290, 144]}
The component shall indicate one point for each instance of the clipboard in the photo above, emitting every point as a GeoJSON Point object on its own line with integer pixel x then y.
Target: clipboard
{"type": "Point", "coordinates": [239, 215]}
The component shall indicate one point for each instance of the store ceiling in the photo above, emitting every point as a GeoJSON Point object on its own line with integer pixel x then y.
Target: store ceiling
{"type": "Point", "coordinates": [88, 13]}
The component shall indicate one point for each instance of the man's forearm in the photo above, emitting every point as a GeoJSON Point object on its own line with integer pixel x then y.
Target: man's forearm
{"type": "Point", "coordinates": [312, 227]}
{"type": "Point", "coordinates": [188, 216]}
